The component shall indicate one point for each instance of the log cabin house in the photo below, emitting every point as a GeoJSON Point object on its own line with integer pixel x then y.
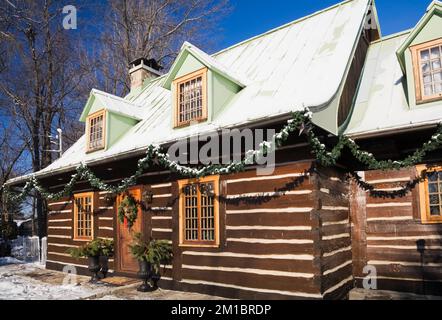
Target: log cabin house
{"type": "Point", "coordinates": [305, 231]}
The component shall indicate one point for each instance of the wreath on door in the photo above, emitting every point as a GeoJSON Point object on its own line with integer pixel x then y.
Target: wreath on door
{"type": "Point", "coordinates": [128, 209]}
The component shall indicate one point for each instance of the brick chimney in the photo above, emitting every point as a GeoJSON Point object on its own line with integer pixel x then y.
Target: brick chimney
{"type": "Point", "coordinates": [142, 69]}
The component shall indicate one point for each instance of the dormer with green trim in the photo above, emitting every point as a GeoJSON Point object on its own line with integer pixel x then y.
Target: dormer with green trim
{"type": "Point", "coordinates": [420, 57]}
{"type": "Point", "coordinates": [107, 118]}
{"type": "Point", "coordinates": [200, 87]}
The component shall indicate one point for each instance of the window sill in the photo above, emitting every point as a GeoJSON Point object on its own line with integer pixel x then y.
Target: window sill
{"type": "Point", "coordinates": [94, 150]}
{"type": "Point", "coordinates": [184, 245]}
{"type": "Point", "coordinates": [432, 222]}
{"type": "Point", "coordinates": [189, 123]}
{"type": "Point", "coordinates": [82, 239]}
{"type": "Point", "coordinates": [429, 100]}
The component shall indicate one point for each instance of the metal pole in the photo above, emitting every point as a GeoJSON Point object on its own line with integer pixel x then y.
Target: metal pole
{"type": "Point", "coordinates": [60, 141]}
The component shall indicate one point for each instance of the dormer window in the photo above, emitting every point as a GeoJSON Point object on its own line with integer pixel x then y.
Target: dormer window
{"type": "Point", "coordinates": [427, 61]}
{"type": "Point", "coordinates": [95, 131]}
{"type": "Point", "coordinates": [191, 98]}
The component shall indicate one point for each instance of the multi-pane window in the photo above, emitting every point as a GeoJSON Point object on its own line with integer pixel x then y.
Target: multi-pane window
{"type": "Point", "coordinates": [430, 194]}
{"type": "Point", "coordinates": [427, 59]}
{"type": "Point", "coordinates": [435, 193]}
{"type": "Point", "coordinates": [83, 216]}
{"type": "Point", "coordinates": [191, 98]}
{"type": "Point", "coordinates": [434, 198]}
{"type": "Point", "coordinates": [191, 224]}
{"type": "Point", "coordinates": [199, 212]}
{"type": "Point", "coordinates": [96, 131]}
{"type": "Point", "coordinates": [431, 68]}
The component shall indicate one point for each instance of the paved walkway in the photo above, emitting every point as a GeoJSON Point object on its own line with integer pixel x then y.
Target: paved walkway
{"type": "Point", "coordinates": [363, 294]}
{"type": "Point", "coordinates": [19, 281]}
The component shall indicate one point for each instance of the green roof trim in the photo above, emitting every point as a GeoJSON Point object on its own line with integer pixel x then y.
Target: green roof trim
{"type": "Point", "coordinates": [99, 100]}
{"type": "Point", "coordinates": [87, 107]}
{"type": "Point", "coordinates": [434, 8]}
{"type": "Point", "coordinates": [204, 59]}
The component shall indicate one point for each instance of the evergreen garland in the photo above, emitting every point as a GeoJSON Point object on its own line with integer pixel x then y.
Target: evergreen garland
{"type": "Point", "coordinates": [300, 121]}
{"type": "Point", "coordinates": [387, 194]}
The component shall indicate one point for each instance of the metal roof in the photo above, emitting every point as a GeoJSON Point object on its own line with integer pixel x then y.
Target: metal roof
{"type": "Point", "coordinates": [301, 64]}
{"type": "Point", "coordinates": [382, 104]}
{"type": "Point", "coordinates": [117, 105]}
{"type": "Point", "coordinates": [434, 7]}
{"type": "Point", "coordinates": [208, 61]}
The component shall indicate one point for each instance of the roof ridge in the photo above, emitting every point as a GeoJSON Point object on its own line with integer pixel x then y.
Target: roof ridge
{"type": "Point", "coordinates": [112, 96]}
{"type": "Point", "coordinates": [215, 63]}
{"type": "Point", "coordinates": [186, 43]}
{"type": "Point", "coordinates": [282, 26]}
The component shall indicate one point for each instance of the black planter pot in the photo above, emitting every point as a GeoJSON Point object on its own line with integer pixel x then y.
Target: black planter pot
{"type": "Point", "coordinates": [155, 278]}
{"type": "Point", "coordinates": [94, 268]}
{"type": "Point", "coordinates": [104, 265]}
{"type": "Point", "coordinates": [144, 274]}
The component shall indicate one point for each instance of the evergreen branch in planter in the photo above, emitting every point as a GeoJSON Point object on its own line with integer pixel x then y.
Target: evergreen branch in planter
{"type": "Point", "coordinates": [95, 248]}
{"type": "Point", "coordinates": [155, 252]}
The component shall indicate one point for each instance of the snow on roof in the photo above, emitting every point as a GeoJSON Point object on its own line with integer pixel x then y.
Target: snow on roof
{"type": "Point", "coordinates": [119, 105]}
{"type": "Point", "coordinates": [210, 62]}
{"type": "Point", "coordinates": [381, 104]}
{"type": "Point", "coordinates": [434, 7]}
{"type": "Point", "coordinates": [301, 64]}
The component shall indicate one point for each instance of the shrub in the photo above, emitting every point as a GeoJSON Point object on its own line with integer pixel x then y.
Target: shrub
{"type": "Point", "coordinates": [9, 230]}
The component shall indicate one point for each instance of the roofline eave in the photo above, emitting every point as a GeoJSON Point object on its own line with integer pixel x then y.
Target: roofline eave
{"type": "Point", "coordinates": [142, 150]}
{"type": "Point", "coordinates": [394, 130]}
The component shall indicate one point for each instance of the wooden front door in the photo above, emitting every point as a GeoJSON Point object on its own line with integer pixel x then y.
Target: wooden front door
{"type": "Point", "coordinates": [126, 262]}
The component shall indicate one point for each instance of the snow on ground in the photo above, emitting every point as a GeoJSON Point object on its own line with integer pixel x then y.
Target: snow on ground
{"type": "Point", "coordinates": [31, 281]}
{"type": "Point", "coordinates": [9, 260]}
{"type": "Point", "coordinates": [19, 281]}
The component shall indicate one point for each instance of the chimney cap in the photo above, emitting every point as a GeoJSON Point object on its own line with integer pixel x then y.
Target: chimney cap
{"type": "Point", "coordinates": [151, 63]}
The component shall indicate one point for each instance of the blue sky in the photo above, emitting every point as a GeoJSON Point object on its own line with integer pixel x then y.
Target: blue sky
{"type": "Point", "coordinates": [252, 17]}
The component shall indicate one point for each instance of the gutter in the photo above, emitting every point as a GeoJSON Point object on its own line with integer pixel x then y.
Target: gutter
{"type": "Point", "coordinates": [394, 130]}
{"type": "Point", "coordinates": [141, 151]}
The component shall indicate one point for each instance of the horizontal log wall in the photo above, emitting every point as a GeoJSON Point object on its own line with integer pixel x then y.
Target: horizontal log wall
{"type": "Point", "coordinates": [334, 242]}
{"type": "Point", "coordinates": [267, 241]}
{"type": "Point", "coordinates": [159, 215]}
{"type": "Point", "coordinates": [284, 236]}
{"type": "Point", "coordinates": [271, 229]}
{"type": "Point", "coordinates": [61, 233]}
{"type": "Point", "coordinates": [385, 236]}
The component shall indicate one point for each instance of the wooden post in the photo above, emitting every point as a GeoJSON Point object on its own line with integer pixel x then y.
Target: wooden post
{"type": "Point", "coordinates": [358, 216]}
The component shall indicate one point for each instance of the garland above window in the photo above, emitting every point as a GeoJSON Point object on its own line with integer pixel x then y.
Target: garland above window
{"type": "Point", "coordinates": [300, 122]}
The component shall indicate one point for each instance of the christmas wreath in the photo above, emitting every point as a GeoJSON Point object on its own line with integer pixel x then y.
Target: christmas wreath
{"type": "Point", "coordinates": [128, 209]}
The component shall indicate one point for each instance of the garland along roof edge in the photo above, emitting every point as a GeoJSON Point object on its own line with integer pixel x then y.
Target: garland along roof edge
{"type": "Point", "coordinates": [300, 121]}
